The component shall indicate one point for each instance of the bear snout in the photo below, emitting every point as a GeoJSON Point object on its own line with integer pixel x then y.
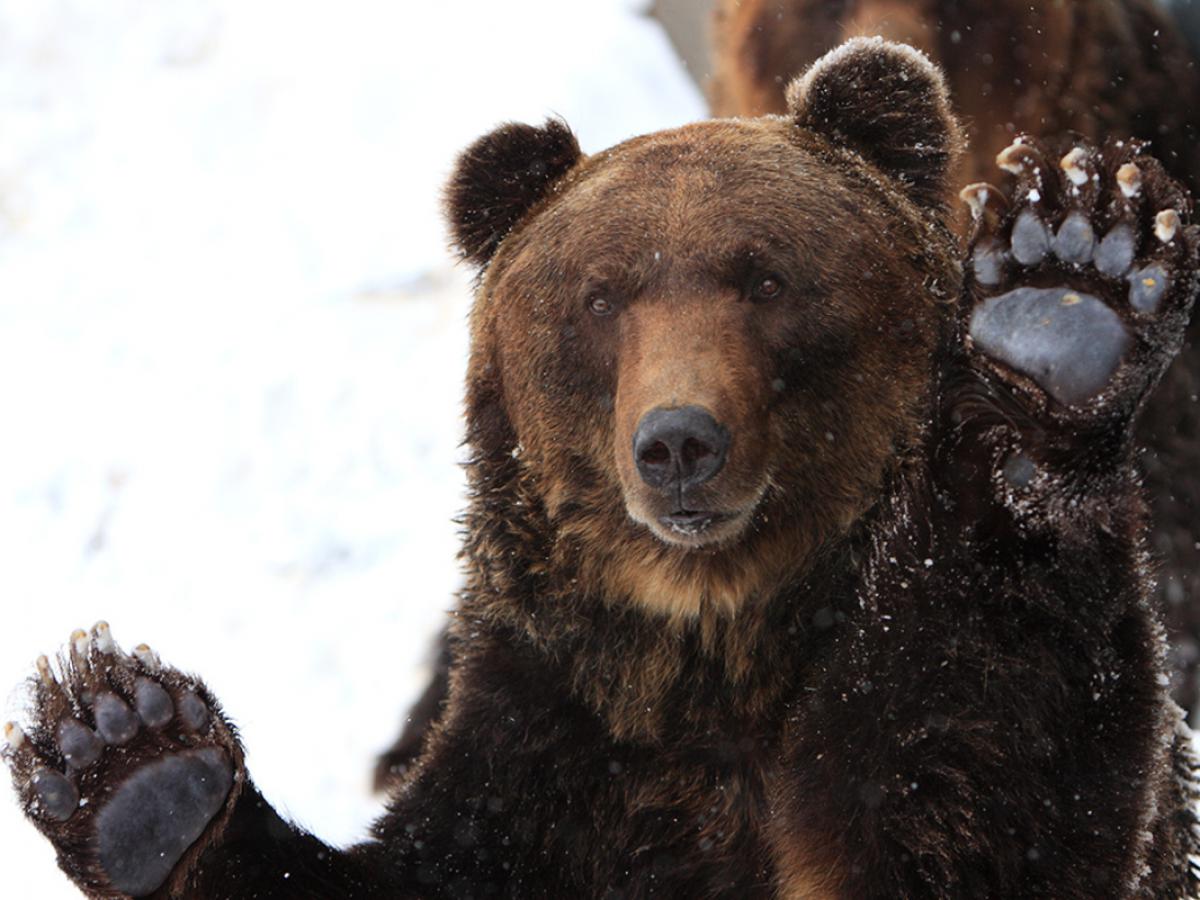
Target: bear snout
{"type": "Point", "coordinates": [676, 450]}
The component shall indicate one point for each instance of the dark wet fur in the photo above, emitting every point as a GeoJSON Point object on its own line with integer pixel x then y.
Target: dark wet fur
{"type": "Point", "coordinates": [1102, 70]}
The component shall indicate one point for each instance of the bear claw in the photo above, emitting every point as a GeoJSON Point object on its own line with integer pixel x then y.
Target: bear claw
{"type": "Point", "coordinates": [984, 200]}
{"type": "Point", "coordinates": [43, 669]}
{"type": "Point", "coordinates": [147, 657]}
{"type": "Point", "coordinates": [1129, 178]}
{"type": "Point", "coordinates": [127, 751]}
{"type": "Point", "coordinates": [80, 644]}
{"type": "Point", "coordinates": [102, 638]}
{"type": "Point", "coordinates": [1075, 165]}
{"type": "Point", "coordinates": [1021, 158]}
{"type": "Point", "coordinates": [1166, 225]}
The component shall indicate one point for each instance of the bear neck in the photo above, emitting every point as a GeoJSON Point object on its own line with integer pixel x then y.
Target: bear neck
{"type": "Point", "coordinates": [650, 677]}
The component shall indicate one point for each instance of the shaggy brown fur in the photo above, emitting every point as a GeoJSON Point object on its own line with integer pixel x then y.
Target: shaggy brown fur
{"type": "Point", "coordinates": [1098, 69]}
{"type": "Point", "coordinates": [913, 656]}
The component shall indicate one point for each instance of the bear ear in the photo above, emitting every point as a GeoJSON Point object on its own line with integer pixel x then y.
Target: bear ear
{"type": "Point", "coordinates": [499, 178]}
{"type": "Point", "coordinates": [888, 103]}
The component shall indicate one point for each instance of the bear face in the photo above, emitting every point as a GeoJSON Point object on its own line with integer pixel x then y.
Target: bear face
{"type": "Point", "coordinates": [710, 345]}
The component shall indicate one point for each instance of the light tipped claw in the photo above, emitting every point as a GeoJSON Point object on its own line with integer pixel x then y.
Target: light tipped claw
{"type": "Point", "coordinates": [1073, 164]}
{"type": "Point", "coordinates": [1129, 178]}
{"type": "Point", "coordinates": [1166, 225]}
{"type": "Point", "coordinates": [1018, 158]}
{"type": "Point", "coordinates": [147, 657]}
{"type": "Point", "coordinates": [976, 197]}
{"type": "Point", "coordinates": [983, 199]}
{"type": "Point", "coordinates": [80, 644]}
{"type": "Point", "coordinates": [44, 672]}
{"type": "Point", "coordinates": [103, 638]}
{"type": "Point", "coordinates": [14, 735]}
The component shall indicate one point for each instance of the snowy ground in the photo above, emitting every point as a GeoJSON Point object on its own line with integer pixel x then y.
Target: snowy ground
{"type": "Point", "coordinates": [231, 343]}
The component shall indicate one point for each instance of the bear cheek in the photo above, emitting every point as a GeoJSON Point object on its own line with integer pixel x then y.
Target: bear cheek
{"type": "Point", "coordinates": [557, 398]}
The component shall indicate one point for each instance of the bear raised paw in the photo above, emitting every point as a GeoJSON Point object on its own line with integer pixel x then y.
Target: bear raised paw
{"type": "Point", "coordinates": [1087, 278]}
{"type": "Point", "coordinates": [125, 765]}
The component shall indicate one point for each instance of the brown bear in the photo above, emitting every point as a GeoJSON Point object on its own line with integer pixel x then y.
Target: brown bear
{"type": "Point", "coordinates": [805, 559]}
{"type": "Point", "coordinates": [1013, 66]}
{"type": "Point", "coordinates": [1096, 69]}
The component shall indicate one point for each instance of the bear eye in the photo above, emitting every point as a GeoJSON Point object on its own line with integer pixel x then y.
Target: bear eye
{"type": "Point", "coordinates": [600, 305]}
{"type": "Point", "coordinates": [767, 287]}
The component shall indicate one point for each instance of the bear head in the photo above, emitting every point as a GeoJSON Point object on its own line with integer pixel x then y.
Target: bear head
{"type": "Point", "coordinates": [706, 349]}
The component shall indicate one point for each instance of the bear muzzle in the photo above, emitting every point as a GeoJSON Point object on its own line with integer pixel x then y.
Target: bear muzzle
{"type": "Point", "coordinates": [678, 453]}
{"type": "Point", "coordinates": [676, 450]}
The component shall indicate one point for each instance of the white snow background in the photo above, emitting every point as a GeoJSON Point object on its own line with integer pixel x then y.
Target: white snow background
{"type": "Point", "coordinates": [232, 342]}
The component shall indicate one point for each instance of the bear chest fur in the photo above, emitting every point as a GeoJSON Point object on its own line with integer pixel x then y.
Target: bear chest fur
{"type": "Point", "coordinates": [725, 814]}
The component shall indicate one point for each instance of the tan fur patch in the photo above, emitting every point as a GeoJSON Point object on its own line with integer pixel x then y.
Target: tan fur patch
{"type": "Point", "coordinates": [806, 868]}
{"type": "Point", "coordinates": [800, 879]}
{"type": "Point", "coordinates": [681, 592]}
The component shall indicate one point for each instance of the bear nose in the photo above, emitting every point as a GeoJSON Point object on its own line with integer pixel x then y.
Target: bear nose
{"type": "Point", "coordinates": [678, 449]}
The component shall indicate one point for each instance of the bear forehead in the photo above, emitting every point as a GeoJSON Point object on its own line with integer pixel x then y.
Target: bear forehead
{"type": "Point", "coordinates": [731, 163]}
{"type": "Point", "coordinates": [708, 187]}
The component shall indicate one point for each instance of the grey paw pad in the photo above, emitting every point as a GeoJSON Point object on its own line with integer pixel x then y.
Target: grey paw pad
{"type": "Point", "coordinates": [80, 746]}
{"type": "Point", "coordinates": [193, 712]}
{"type": "Point", "coordinates": [1030, 239]}
{"type": "Point", "coordinates": [56, 794]}
{"type": "Point", "coordinates": [115, 721]}
{"type": "Point", "coordinates": [988, 263]}
{"type": "Point", "coordinates": [1147, 286]}
{"type": "Point", "coordinates": [153, 703]}
{"type": "Point", "coordinates": [1114, 254]}
{"type": "Point", "coordinates": [158, 813]}
{"type": "Point", "coordinates": [1069, 343]}
{"type": "Point", "coordinates": [1019, 470]}
{"type": "Point", "coordinates": [1075, 240]}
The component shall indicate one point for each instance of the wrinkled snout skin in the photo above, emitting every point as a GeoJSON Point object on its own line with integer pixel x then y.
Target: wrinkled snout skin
{"type": "Point", "coordinates": [695, 351]}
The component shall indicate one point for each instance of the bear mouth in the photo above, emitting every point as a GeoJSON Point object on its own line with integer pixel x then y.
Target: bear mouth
{"type": "Point", "coordinates": [692, 523]}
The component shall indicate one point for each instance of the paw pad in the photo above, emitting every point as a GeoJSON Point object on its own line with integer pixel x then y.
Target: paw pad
{"type": "Point", "coordinates": [157, 813]}
{"type": "Point", "coordinates": [1030, 239]}
{"type": "Point", "coordinates": [1075, 240]}
{"type": "Point", "coordinates": [115, 721]}
{"type": "Point", "coordinates": [125, 763]}
{"type": "Point", "coordinates": [1147, 287]}
{"type": "Point", "coordinates": [153, 703]}
{"type": "Point", "coordinates": [1114, 256]}
{"type": "Point", "coordinates": [192, 712]}
{"type": "Point", "coordinates": [80, 746]}
{"type": "Point", "coordinates": [1069, 343]}
{"type": "Point", "coordinates": [56, 794]}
